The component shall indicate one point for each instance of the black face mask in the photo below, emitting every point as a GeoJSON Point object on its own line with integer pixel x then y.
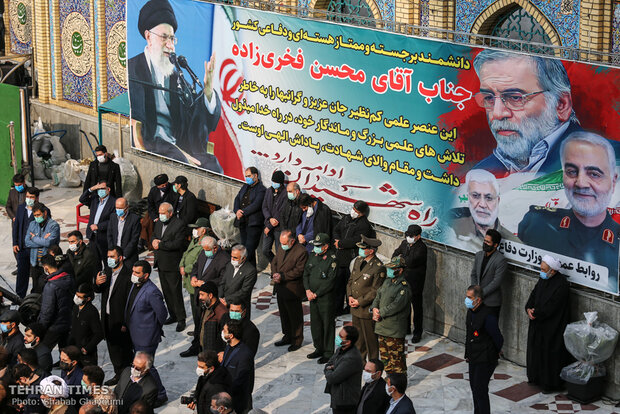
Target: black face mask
{"type": "Point", "coordinates": [487, 248]}
{"type": "Point", "coordinates": [65, 366]}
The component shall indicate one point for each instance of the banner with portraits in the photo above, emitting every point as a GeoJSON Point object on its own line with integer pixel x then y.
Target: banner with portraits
{"type": "Point", "coordinates": [455, 139]}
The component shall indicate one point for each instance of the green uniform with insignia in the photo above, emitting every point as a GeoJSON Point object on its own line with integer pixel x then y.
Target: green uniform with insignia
{"type": "Point", "coordinates": [320, 278]}
{"type": "Point", "coordinates": [558, 230]}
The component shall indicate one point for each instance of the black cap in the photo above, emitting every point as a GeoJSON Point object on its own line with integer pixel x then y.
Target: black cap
{"type": "Point", "coordinates": [156, 12]}
{"type": "Point", "coordinates": [368, 243]}
{"type": "Point", "coordinates": [181, 179]}
{"type": "Point", "coordinates": [362, 207]}
{"type": "Point", "coordinates": [10, 316]}
{"type": "Point", "coordinates": [209, 287]}
{"type": "Point", "coordinates": [160, 179]}
{"type": "Point", "coordinates": [278, 177]}
{"type": "Point", "coordinates": [413, 230]}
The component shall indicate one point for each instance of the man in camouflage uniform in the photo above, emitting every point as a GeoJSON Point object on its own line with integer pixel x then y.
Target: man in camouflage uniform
{"type": "Point", "coordinates": [319, 282]}
{"type": "Point", "coordinates": [390, 311]}
{"type": "Point", "coordinates": [367, 275]}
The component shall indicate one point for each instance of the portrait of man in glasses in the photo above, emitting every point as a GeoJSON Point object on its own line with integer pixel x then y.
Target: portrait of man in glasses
{"type": "Point", "coordinates": [529, 109]}
{"type": "Point", "coordinates": [472, 222]}
{"type": "Point", "coordinates": [170, 115]}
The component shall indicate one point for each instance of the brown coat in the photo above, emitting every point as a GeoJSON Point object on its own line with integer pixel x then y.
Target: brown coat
{"type": "Point", "coordinates": [364, 283]}
{"type": "Point", "coordinates": [291, 266]}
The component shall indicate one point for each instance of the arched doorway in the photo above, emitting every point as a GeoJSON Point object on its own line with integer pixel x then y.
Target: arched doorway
{"type": "Point", "coordinates": [518, 24]}
{"type": "Point", "coordinates": [356, 12]}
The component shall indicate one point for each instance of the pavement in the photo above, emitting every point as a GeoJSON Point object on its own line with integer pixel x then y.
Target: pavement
{"type": "Point", "coordinates": [289, 383]}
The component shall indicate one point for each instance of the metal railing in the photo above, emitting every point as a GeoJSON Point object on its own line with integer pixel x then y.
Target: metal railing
{"type": "Point", "coordinates": [469, 39]}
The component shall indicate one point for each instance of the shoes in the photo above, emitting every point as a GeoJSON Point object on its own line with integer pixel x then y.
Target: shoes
{"type": "Point", "coordinates": [14, 272]}
{"type": "Point", "coordinates": [169, 321]}
{"type": "Point", "coordinates": [415, 339]}
{"type": "Point", "coordinates": [283, 342]}
{"type": "Point", "coordinates": [160, 401]}
{"type": "Point", "coordinates": [111, 382]}
{"type": "Point", "coordinates": [190, 333]}
{"type": "Point", "coordinates": [189, 353]}
{"type": "Point", "coordinates": [323, 360]}
{"type": "Point", "coordinates": [313, 355]}
{"type": "Point", "coordinates": [293, 348]}
{"type": "Point", "coordinates": [343, 311]}
{"type": "Point", "coordinates": [181, 326]}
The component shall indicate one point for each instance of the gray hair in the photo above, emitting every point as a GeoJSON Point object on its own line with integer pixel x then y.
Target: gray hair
{"type": "Point", "coordinates": [124, 201]}
{"type": "Point", "coordinates": [168, 207]}
{"type": "Point", "coordinates": [482, 176]}
{"type": "Point", "coordinates": [296, 187]}
{"type": "Point", "coordinates": [222, 399]}
{"type": "Point", "coordinates": [146, 356]}
{"type": "Point", "coordinates": [592, 139]}
{"type": "Point", "coordinates": [208, 241]}
{"type": "Point", "coordinates": [241, 249]}
{"type": "Point", "coordinates": [550, 73]}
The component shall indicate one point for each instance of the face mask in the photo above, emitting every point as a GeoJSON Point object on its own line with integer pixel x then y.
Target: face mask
{"type": "Point", "coordinates": [65, 366]}
{"type": "Point", "coordinates": [291, 196]}
{"type": "Point", "coordinates": [361, 252]}
{"type": "Point", "coordinates": [200, 372]}
{"type": "Point", "coordinates": [102, 193]}
{"type": "Point", "coordinates": [543, 275]}
{"type": "Point", "coordinates": [28, 344]}
{"type": "Point", "coordinates": [354, 214]}
{"type": "Point", "coordinates": [249, 180]}
{"type": "Point", "coordinates": [209, 254]}
{"type": "Point", "coordinates": [235, 263]}
{"type": "Point", "coordinates": [285, 247]}
{"type": "Point", "coordinates": [338, 341]}
{"type": "Point", "coordinates": [101, 158]}
{"type": "Point", "coordinates": [366, 377]}
{"type": "Point", "coordinates": [4, 328]}
{"type": "Point", "coordinates": [135, 373]}
{"type": "Point", "coordinates": [39, 219]}
{"type": "Point", "coordinates": [47, 272]}
{"type": "Point", "coordinates": [84, 385]}
{"type": "Point", "coordinates": [163, 218]}
{"type": "Point", "coordinates": [195, 233]}
{"type": "Point", "coordinates": [487, 248]}
{"type": "Point", "coordinates": [309, 212]}
{"type": "Point", "coordinates": [175, 189]}
{"type": "Point", "coordinates": [214, 410]}
{"type": "Point", "coordinates": [235, 315]}
{"type": "Point", "coordinates": [390, 273]}
{"type": "Point", "coordinates": [120, 212]}
{"type": "Point", "coordinates": [224, 337]}
{"type": "Point", "coordinates": [410, 240]}
{"type": "Point", "coordinates": [469, 303]}
{"type": "Point", "coordinates": [77, 300]}
{"type": "Point", "coordinates": [135, 279]}
{"type": "Point", "coordinates": [318, 249]}
{"type": "Point", "coordinates": [19, 188]}
{"type": "Point", "coordinates": [111, 263]}
{"type": "Point", "coordinates": [276, 185]}
{"type": "Point", "coordinates": [387, 390]}
{"type": "Point", "coordinates": [73, 247]}
{"type": "Point", "coordinates": [30, 202]}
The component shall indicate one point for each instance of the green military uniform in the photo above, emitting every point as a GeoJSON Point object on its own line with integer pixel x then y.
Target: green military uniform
{"type": "Point", "coordinates": [366, 278]}
{"type": "Point", "coordinates": [558, 230]}
{"type": "Point", "coordinates": [392, 301]}
{"type": "Point", "coordinates": [188, 261]}
{"type": "Point", "coordinates": [467, 234]}
{"type": "Point", "coordinates": [320, 278]}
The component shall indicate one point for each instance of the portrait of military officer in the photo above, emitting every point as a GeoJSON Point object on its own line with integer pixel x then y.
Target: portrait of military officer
{"type": "Point", "coordinates": [529, 109]}
{"type": "Point", "coordinates": [472, 222]}
{"type": "Point", "coordinates": [585, 231]}
{"type": "Point", "coordinates": [169, 116]}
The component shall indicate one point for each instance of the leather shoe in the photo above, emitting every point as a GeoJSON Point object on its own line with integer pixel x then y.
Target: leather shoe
{"type": "Point", "coordinates": [180, 326]}
{"type": "Point", "coordinates": [323, 360]}
{"type": "Point", "coordinates": [189, 352]}
{"type": "Point", "coordinates": [169, 321]}
{"type": "Point", "coordinates": [313, 355]}
{"type": "Point", "coordinates": [415, 339]}
{"type": "Point", "coordinates": [190, 333]}
{"type": "Point", "coordinates": [293, 348]}
{"type": "Point", "coordinates": [283, 342]}
{"type": "Point", "coordinates": [112, 381]}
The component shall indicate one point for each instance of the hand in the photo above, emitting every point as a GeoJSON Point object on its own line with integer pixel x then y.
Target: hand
{"type": "Point", "coordinates": [208, 80]}
{"type": "Point", "coordinates": [220, 356]}
{"type": "Point", "coordinates": [225, 304]}
{"type": "Point", "coordinates": [330, 367]}
{"type": "Point", "coordinates": [156, 244]}
{"type": "Point", "coordinates": [84, 351]}
{"type": "Point", "coordinates": [337, 244]}
{"type": "Point", "coordinates": [191, 405]}
{"type": "Point", "coordinates": [266, 231]}
{"type": "Point", "coordinates": [182, 270]}
{"type": "Point", "coordinates": [101, 278]}
{"type": "Point", "coordinates": [47, 235]}
{"type": "Point", "coordinates": [353, 302]}
{"type": "Point", "coordinates": [193, 281]}
{"type": "Point", "coordinates": [239, 214]}
{"type": "Point", "coordinates": [530, 314]}
{"type": "Point", "coordinates": [13, 219]}
{"type": "Point", "coordinates": [15, 249]}
{"type": "Point", "coordinates": [274, 222]}
{"type": "Point", "coordinates": [93, 227]}
{"type": "Point", "coordinates": [301, 238]}
{"type": "Point", "coordinates": [310, 295]}
{"type": "Point", "coordinates": [277, 278]}
{"type": "Point", "coordinates": [31, 235]}
{"type": "Point", "coordinates": [376, 315]}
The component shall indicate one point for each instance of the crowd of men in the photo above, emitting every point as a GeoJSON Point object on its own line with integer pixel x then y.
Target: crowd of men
{"type": "Point", "coordinates": [331, 264]}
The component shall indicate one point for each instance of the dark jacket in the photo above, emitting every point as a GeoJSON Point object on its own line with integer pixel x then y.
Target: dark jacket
{"type": "Point", "coordinates": [85, 264]}
{"type": "Point", "coordinates": [113, 178]}
{"type": "Point", "coordinates": [319, 222]}
{"type": "Point", "coordinates": [415, 256]}
{"type": "Point", "coordinates": [343, 374]}
{"type": "Point", "coordinates": [491, 279]}
{"type": "Point", "coordinates": [250, 335]}
{"type": "Point", "coordinates": [252, 214]}
{"type": "Point", "coordinates": [290, 215]}
{"type": "Point", "coordinates": [104, 219]}
{"type": "Point", "coordinates": [57, 302]}
{"type": "Point", "coordinates": [483, 340]}
{"type": "Point", "coordinates": [86, 331]}
{"type": "Point", "coordinates": [13, 344]}
{"type": "Point", "coordinates": [14, 199]}
{"type": "Point", "coordinates": [209, 385]}
{"type": "Point", "coordinates": [44, 357]}
{"type": "Point", "coordinates": [118, 299]}
{"type": "Point", "coordinates": [146, 317]}
{"type": "Point", "coordinates": [349, 232]}
{"type": "Point", "coordinates": [215, 271]}
{"type": "Point", "coordinates": [273, 204]}
{"type": "Point", "coordinates": [129, 238]}
{"type": "Point", "coordinates": [239, 362]}
{"type": "Point", "coordinates": [290, 264]}
{"type": "Point", "coordinates": [211, 327]}
{"type": "Point", "coordinates": [21, 223]}
{"type": "Point", "coordinates": [186, 209]}
{"type": "Point", "coordinates": [404, 406]}
{"type": "Point", "coordinates": [239, 287]}
{"type": "Point", "coordinates": [154, 199]}
{"type": "Point", "coordinates": [172, 244]}
{"type": "Point", "coordinates": [128, 392]}
{"type": "Point", "coordinates": [377, 401]}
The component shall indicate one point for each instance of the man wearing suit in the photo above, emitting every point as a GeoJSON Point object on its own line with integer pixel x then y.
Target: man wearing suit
{"type": "Point", "coordinates": [102, 169]}
{"type": "Point", "coordinates": [373, 399]}
{"type": "Point", "coordinates": [145, 314]}
{"type": "Point", "coordinates": [169, 243]}
{"type": "Point", "coordinates": [23, 218]}
{"type": "Point", "coordinates": [163, 121]}
{"type": "Point", "coordinates": [185, 202]}
{"type": "Point", "coordinates": [238, 279]}
{"type": "Point", "coordinates": [489, 270]}
{"type": "Point", "coordinates": [248, 209]}
{"type": "Point", "coordinates": [84, 262]}
{"type": "Point", "coordinates": [114, 284]}
{"type": "Point", "coordinates": [101, 208]}
{"type": "Point", "coordinates": [17, 195]}
{"type": "Point", "coordinates": [124, 231]}
{"type": "Point", "coordinates": [287, 270]}
{"type": "Point", "coordinates": [161, 192]}
{"type": "Point", "coordinates": [137, 383]}
{"type": "Point", "coordinates": [239, 361]}
{"type": "Point", "coordinates": [343, 372]}
{"type": "Point", "coordinates": [396, 385]}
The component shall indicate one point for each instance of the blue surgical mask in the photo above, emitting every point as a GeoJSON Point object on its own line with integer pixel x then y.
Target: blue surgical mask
{"type": "Point", "coordinates": [29, 202]}
{"type": "Point", "coordinates": [39, 219]}
{"type": "Point", "coordinates": [276, 185]}
{"type": "Point", "coordinates": [120, 212]}
{"type": "Point", "coordinates": [249, 180]}
{"type": "Point", "coordinates": [4, 328]}
{"type": "Point", "coordinates": [102, 193]}
{"type": "Point", "coordinates": [235, 315]}
{"type": "Point", "coordinates": [111, 263]}
{"type": "Point", "coordinates": [390, 273]}
{"type": "Point", "coordinates": [338, 341]}
{"type": "Point", "coordinates": [285, 247]}
{"type": "Point", "coordinates": [19, 188]}
{"type": "Point", "coordinates": [318, 249]}
{"type": "Point", "coordinates": [209, 253]}
{"type": "Point", "coordinates": [543, 275]}
{"type": "Point", "coordinates": [361, 252]}
{"type": "Point", "coordinates": [291, 196]}
{"type": "Point", "coordinates": [469, 303]}
{"type": "Point", "coordinates": [163, 218]}
{"type": "Point", "coordinates": [174, 188]}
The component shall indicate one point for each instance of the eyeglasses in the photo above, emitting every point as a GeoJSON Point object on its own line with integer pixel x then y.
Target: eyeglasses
{"type": "Point", "coordinates": [512, 100]}
{"type": "Point", "coordinates": [166, 38]}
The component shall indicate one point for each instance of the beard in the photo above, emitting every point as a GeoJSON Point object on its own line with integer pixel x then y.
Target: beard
{"type": "Point", "coordinates": [162, 63]}
{"type": "Point", "coordinates": [487, 218]}
{"type": "Point", "coordinates": [588, 208]}
{"type": "Point", "coordinates": [529, 132]}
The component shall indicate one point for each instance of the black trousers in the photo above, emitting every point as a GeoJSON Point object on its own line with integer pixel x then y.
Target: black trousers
{"type": "Point", "coordinates": [173, 294]}
{"type": "Point", "coordinates": [119, 349]}
{"type": "Point", "coordinates": [344, 410]}
{"type": "Point", "coordinates": [291, 319]}
{"type": "Point", "coordinates": [479, 377]}
{"type": "Point", "coordinates": [250, 237]}
{"type": "Point", "coordinates": [38, 279]}
{"type": "Point", "coordinates": [417, 304]}
{"type": "Point", "coordinates": [340, 290]}
{"type": "Point", "coordinates": [53, 338]}
{"type": "Point", "coordinates": [196, 314]}
{"type": "Point", "coordinates": [23, 272]}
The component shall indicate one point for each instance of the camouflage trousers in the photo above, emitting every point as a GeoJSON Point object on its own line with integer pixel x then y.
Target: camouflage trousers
{"type": "Point", "coordinates": [392, 351]}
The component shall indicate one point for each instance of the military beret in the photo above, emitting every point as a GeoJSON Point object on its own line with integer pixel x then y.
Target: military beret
{"type": "Point", "coordinates": [201, 222]}
{"type": "Point", "coordinates": [367, 242]}
{"type": "Point", "coordinates": [156, 12]}
{"type": "Point", "coordinates": [160, 179]}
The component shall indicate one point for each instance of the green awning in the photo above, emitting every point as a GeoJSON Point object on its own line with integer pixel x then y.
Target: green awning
{"type": "Point", "coordinates": [118, 105]}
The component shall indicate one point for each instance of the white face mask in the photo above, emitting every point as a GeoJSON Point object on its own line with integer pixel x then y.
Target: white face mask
{"type": "Point", "coordinates": [77, 300]}
{"type": "Point", "coordinates": [28, 344]}
{"type": "Point", "coordinates": [135, 279]}
{"type": "Point", "coordinates": [200, 372]}
{"type": "Point", "coordinates": [410, 240]}
{"type": "Point", "coordinates": [354, 214]}
{"type": "Point", "coordinates": [73, 247]}
{"type": "Point", "coordinates": [135, 373]}
{"type": "Point", "coordinates": [224, 337]}
{"type": "Point", "coordinates": [366, 377]}
{"type": "Point", "coordinates": [101, 158]}
{"type": "Point", "coordinates": [235, 263]}
{"type": "Point", "coordinates": [195, 233]}
{"type": "Point", "coordinates": [387, 390]}
{"type": "Point", "coordinates": [309, 211]}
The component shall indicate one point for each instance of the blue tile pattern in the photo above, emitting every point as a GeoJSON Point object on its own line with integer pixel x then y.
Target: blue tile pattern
{"type": "Point", "coordinates": [114, 12]}
{"type": "Point", "coordinates": [18, 46]}
{"type": "Point", "coordinates": [424, 12]}
{"type": "Point", "coordinates": [386, 8]}
{"type": "Point", "coordinates": [615, 35]}
{"type": "Point", "coordinates": [52, 48]}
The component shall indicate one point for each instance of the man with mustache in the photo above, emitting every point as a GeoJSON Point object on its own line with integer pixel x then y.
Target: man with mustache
{"type": "Point", "coordinates": [471, 223]}
{"type": "Point", "coordinates": [586, 231]}
{"type": "Point", "coordinates": [163, 120]}
{"type": "Point", "coordinates": [529, 108]}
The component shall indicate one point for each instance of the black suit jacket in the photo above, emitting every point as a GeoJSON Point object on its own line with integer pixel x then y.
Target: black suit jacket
{"type": "Point", "coordinates": [377, 401]}
{"type": "Point", "coordinates": [240, 286]}
{"type": "Point", "coordinates": [154, 199]}
{"type": "Point", "coordinates": [104, 219]}
{"type": "Point", "coordinates": [114, 180]}
{"type": "Point", "coordinates": [172, 245]}
{"type": "Point", "coordinates": [215, 271]}
{"type": "Point", "coordinates": [118, 299]}
{"type": "Point", "coordinates": [129, 238]}
{"type": "Point", "coordinates": [128, 392]}
{"type": "Point", "coordinates": [253, 213]}
{"type": "Point", "coordinates": [415, 256]}
{"type": "Point", "coordinates": [187, 208]}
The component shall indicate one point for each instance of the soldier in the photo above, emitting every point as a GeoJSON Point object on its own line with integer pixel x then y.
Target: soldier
{"type": "Point", "coordinates": [319, 282]}
{"type": "Point", "coordinates": [367, 275]}
{"type": "Point", "coordinates": [390, 311]}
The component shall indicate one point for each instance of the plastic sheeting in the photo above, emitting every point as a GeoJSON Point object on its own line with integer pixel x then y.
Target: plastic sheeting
{"type": "Point", "coordinates": [223, 225]}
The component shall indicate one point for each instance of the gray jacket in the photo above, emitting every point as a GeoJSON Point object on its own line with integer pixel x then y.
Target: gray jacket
{"type": "Point", "coordinates": [491, 279]}
{"type": "Point", "coordinates": [345, 378]}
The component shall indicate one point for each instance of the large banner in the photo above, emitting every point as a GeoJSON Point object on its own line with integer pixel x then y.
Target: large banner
{"type": "Point", "coordinates": [453, 138]}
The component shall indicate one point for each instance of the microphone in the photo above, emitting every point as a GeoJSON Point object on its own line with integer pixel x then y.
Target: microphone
{"type": "Point", "coordinates": [182, 61]}
{"type": "Point", "coordinates": [173, 59]}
